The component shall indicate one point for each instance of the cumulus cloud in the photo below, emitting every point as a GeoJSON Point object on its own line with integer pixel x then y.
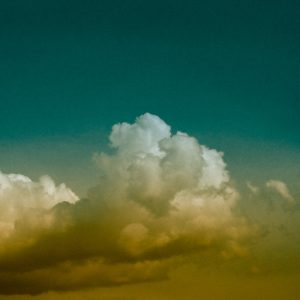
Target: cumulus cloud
{"type": "Point", "coordinates": [20, 197]}
{"type": "Point", "coordinates": [282, 189]}
{"type": "Point", "coordinates": [161, 196]}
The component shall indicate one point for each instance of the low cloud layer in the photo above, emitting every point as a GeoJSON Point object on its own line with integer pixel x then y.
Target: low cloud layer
{"type": "Point", "coordinates": [161, 196]}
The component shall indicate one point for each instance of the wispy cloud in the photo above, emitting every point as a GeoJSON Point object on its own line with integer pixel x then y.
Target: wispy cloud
{"type": "Point", "coordinates": [282, 189]}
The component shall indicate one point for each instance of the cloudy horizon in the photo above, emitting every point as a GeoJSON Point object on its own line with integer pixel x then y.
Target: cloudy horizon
{"type": "Point", "coordinates": [163, 199]}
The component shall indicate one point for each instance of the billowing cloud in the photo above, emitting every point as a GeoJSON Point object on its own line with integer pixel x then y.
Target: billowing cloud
{"type": "Point", "coordinates": [20, 197]}
{"type": "Point", "coordinates": [282, 189]}
{"type": "Point", "coordinates": [161, 196]}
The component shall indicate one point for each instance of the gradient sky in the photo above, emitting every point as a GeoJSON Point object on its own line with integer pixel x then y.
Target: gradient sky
{"type": "Point", "coordinates": [226, 72]}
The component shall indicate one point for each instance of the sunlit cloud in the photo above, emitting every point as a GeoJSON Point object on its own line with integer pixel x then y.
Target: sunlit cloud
{"type": "Point", "coordinates": [21, 197]}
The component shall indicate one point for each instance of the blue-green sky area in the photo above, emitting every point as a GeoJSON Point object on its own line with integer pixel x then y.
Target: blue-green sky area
{"type": "Point", "coordinates": [227, 72]}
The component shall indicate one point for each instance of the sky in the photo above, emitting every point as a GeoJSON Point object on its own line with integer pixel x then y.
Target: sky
{"type": "Point", "coordinates": [163, 135]}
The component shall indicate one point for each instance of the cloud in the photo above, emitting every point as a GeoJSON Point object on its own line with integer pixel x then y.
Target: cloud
{"type": "Point", "coordinates": [161, 196]}
{"type": "Point", "coordinates": [20, 197]}
{"type": "Point", "coordinates": [254, 189]}
{"type": "Point", "coordinates": [276, 213]}
{"type": "Point", "coordinates": [282, 189]}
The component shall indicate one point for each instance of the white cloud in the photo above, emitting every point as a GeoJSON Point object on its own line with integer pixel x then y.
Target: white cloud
{"type": "Point", "coordinates": [20, 196]}
{"type": "Point", "coordinates": [170, 188]}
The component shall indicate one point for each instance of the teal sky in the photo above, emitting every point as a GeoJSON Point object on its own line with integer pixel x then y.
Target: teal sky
{"type": "Point", "coordinates": [225, 71]}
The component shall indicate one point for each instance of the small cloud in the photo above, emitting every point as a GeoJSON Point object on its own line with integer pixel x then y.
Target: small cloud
{"type": "Point", "coordinates": [282, 189]}
{"type": "Point", "coordinates": [254, 189]}
{"type": "Point", "coordinates": [22, 198]}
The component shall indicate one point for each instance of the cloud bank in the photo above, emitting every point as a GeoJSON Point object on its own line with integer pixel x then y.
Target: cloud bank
{"type": "Point", "coordinates": [161, 196]}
